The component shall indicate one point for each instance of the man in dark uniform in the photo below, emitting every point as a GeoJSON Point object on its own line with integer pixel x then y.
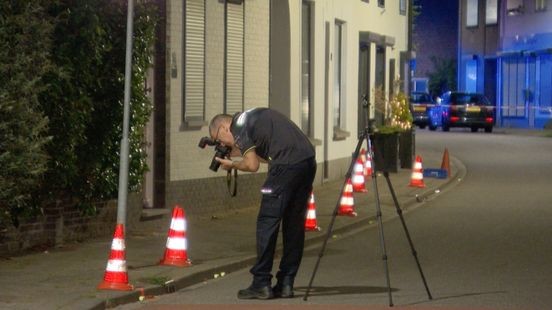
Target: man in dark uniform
{"type": "Point", "coordinates": [264, 135]}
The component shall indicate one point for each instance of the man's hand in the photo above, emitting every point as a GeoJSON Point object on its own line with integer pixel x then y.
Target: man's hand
{"type": "Point", "coordinates": [226, 164]}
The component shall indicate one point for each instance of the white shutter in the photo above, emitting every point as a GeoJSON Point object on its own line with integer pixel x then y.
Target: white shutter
{"type": "Point", "coordinates": [194, 60]}
{"type": "Point", "coordinates": [234, 57]}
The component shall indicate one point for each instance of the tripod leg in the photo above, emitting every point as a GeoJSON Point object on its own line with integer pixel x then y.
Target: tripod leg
{"type": "Point", "coordinates": [399, 212]}
{"type": "Point", "coordinates": [380, 224]}
{"type": "Point", "coordinates": [330, 227]}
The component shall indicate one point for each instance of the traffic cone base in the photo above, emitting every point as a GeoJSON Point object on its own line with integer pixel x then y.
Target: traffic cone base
{"type": "Point", "coordinates": [115, 286]}
{"type": "Point", "coordinates": [177, 244]}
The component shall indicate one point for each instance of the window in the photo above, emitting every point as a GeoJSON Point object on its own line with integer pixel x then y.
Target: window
{"type": "Point", "coordinates": [381, 3]}
{"type": "Point", "coordinates": [193, 52]}
{"type": "Point", "coordinates": [471, 13]}
{"type": "Point", "coordinates": [491, 12]}
{"type": "Point", "coordinates": [338, 89]}
{"type": "Point", "coordinates": [513, 84]}
{"type": "Point", "coordinates": [471, 76]}
{"type": "Point", "coordinates": [540, 5]}
{"type": "Point", "coordinates": [233, 79]}
{"type": "Point", "coordinates": [514, 7]}
{"type": "Point", "coordinates": [306, 69]}
{"type": "Point", "coordinates": [545, 86]}
{"type": "Point", "coordinates": [402, 7]}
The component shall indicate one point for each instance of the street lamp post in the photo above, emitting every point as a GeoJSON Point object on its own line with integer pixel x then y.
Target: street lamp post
{"type": "Point", "coordinates": [124, 154]}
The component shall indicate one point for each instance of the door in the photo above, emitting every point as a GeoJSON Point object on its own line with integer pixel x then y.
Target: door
{"type": "Point", "coordinates": [363, 86]}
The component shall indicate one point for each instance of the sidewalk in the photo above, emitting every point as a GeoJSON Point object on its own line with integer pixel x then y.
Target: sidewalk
{"type": "Point", "coordinates": [66, 278]}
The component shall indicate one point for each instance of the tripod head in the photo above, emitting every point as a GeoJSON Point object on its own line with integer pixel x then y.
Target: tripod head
{"type": "Point", "coordinates": [369, 126]}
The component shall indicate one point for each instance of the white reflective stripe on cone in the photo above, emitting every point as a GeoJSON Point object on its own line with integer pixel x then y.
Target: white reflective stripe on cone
{"type": "Point", "coordinates": [118, 244]}
{"type": "Point", "coordinates": [177, 243]}
{"type": "Point", "coordinates": [358, 179]}
{"type": "Point", "coordinates": [116, 265]}
{"type": "Point", "coordinates": [417, 175]}
{"type": "Point", "coordinates": [178, 225]}
{"type": "Point", "coordinates": [348, 201]}
{"type": "Point", "coordinates": [311, 214]}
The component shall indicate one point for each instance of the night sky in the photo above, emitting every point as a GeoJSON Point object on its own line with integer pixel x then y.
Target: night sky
{"type": "Point", "coordinates": [435, 33]}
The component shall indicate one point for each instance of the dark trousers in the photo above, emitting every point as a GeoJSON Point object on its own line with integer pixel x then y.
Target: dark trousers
{"type": "Point", "coordinates": [285, 195]}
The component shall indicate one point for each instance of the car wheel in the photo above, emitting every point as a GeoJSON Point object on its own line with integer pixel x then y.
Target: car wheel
{"type": "Point", "coordinates": [422, 126]}
{"type": "Point", "coordinates": [474, 129]}
{"type": "Point", "coordinates": [432, 128]}
{"type": "Point", "coordinates": [489, 129]}
{"type": "Point", "coordinates": [446, 128]}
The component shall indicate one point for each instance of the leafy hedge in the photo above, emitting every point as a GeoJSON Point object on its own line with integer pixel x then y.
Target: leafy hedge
{"type": "Point", "coordinates": [81, 95]}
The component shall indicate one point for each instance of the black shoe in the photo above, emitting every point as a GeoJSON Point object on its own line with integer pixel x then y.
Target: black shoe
{"type": "Point", "coordinates": [283, 291]}
{"type": "Point", "coordinates": [256, 293]}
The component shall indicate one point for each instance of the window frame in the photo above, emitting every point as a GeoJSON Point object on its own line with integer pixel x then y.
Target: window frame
{"type": "Point", "coordinates": [193, 61]}
{"type": "Point", "coordinates": [472, 9]}
{"type": "Point", "coordinates": [493, 19]}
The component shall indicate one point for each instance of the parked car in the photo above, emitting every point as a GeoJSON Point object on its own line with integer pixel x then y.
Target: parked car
{"type": "Point", "coordinates": [420, 102]}
{"type": "Point", "coordinates": [461, 109]}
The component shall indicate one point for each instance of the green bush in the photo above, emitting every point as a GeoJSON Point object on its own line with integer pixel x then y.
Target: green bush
{"type": "Point", "coordinates": [24, 44]}
{"type": "Point", "coordinates": [81, 93]}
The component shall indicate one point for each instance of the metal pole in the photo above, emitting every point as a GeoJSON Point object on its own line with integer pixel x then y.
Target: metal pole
{"type": "Point", "coordinates": [123, 167]}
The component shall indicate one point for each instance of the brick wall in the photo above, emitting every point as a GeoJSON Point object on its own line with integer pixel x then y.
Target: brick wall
{"type": "Point", "coordinates": [62, 223]}
{"type": "Point", "coordinates": [209, 195]}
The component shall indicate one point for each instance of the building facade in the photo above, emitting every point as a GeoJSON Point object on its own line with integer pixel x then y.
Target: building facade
{"type": "Point", "coordinates": [315, 61]}
{"type": "Point", "coordinates": [506, 53]}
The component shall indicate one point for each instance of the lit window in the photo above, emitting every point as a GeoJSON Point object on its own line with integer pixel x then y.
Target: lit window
{"type": "Point", "coordinates": [402, 7]}
{"type": "Point", "coordinates": [471, 76]}
{"type": "Point", "coordinates": [540, 5]}
{"type": "Point", "coordinates": [471, 13]}
{"type": "Point", "coordinates": [491, 12]}
{"type": "Point", "coordinates": [515, 7]}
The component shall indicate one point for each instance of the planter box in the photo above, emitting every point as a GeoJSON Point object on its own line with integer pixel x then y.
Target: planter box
{"type": "Point", "coordinates": [407, 148]}
{"type": "Point", "coordinates": [386, 152]}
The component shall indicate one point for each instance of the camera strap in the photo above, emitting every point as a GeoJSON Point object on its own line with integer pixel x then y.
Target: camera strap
{"type": "Point", "coordinates": [232, 182]}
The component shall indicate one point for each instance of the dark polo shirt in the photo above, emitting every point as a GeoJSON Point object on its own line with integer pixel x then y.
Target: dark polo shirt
{"type": "Point", "coordinates": [274, 137]}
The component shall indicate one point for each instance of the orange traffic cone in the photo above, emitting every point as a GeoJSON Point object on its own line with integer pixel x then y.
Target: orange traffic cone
{"type": "Point", "coordinates": [417, 178]}
{"type": "Point", "coordinates": [445, 164]}
{"type": "Point", "coordinates": [347, 205]}
{"type": "Point", "coordinates": [358, 177]}
{"type": "Point", "coordinates": [368, 166]}
{"type": "Point", "coordinates": [177, 244]}
{"type": "Point", "coordinates": [311, 224]}
{"type": "Point", "coordinates": [116, 276]}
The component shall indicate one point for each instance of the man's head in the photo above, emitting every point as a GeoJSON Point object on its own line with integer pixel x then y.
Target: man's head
{"type": "Point", "coordinates": [219, 129]}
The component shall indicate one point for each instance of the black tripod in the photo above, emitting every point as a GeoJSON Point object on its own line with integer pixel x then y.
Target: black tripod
{"type": "Point", "coordinates": [366, 136]}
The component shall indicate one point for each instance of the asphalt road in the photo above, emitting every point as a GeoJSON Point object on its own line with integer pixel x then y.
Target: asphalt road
{"type": "Point", "coordinates": [486, 244]}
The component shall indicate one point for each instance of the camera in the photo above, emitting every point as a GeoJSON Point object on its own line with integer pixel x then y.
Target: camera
{"type": "Point", "coordinates": [221, 151]}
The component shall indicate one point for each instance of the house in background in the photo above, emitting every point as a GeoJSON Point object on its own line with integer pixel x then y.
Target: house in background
{"type": "Point", "coordinates": [314, 61]}
{"type": "Point", "coordinates": [435, 35]}
{"type": "Point", "coordinates": [505, 52]}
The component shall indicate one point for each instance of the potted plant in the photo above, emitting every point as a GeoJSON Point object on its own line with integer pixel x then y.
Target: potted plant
{"type": "Point", "coordinates": [394, 139]}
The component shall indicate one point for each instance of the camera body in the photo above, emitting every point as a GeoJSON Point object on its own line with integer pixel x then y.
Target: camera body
{"type": "Point", "coordinates": [221, 151]}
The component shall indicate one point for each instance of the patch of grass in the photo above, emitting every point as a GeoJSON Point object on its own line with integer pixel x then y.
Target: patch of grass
{"type": "Point", "coordinates": [155, 280]}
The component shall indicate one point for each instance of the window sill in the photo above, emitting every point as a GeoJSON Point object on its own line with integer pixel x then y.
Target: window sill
{"type": "Point", "coordinates": [340, 134]}
{"type": "Point", "coordinates": [192, 125]}
{"type": "Point", "coordinates": [314, 141]}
